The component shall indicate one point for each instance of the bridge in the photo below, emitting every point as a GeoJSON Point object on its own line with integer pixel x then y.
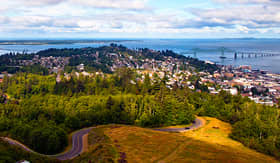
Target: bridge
{"type": "Point", "coordinates": [195, 51]}
{"type": "Point", "coordinates": [254, 54]}
{"type": "Point", "coordinates": [236, 54]}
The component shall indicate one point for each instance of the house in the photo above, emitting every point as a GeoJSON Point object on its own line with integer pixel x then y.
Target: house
{"type": "Point", "coordinates": [234, 91]}
{"type": "Point", "coordinates": [191, 87]}
{"type": "Point", "coordinates": [81, 67]}
{"type": "Point", "coordinates": [23, 161]}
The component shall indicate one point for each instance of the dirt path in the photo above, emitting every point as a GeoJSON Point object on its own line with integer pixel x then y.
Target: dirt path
{"type": "Point", "coordinates": [85, 143]}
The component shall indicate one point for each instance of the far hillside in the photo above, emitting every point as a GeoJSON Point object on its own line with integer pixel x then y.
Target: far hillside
{"type": "Point", "coordinates": [106, 59]}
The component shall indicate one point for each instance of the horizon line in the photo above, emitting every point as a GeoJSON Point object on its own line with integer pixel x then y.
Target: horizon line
{"type": "Point", "coordinates": [128, 38]}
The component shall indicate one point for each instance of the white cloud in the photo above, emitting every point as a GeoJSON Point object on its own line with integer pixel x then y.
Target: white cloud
{"type": "Point", "coordinates": [246, 1]}
{"type": "Point", "coordinates": [4, 20]}
{"type": "Point", "coordinates": [113, 4]}
{"type": "Point", "coordinates": [257, 16]}
{"type": "Point", "coordinates": [32, 3]}
{"type": "Point", "coordinates": [135, 16]}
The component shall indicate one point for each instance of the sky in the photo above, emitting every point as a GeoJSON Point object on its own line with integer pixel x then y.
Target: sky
{"type": "Point", "coordinates": [139, 19]}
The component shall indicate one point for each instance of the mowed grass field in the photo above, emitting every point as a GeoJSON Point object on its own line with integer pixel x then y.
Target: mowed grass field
{"type": "Point", "coordinates": [210, 143]}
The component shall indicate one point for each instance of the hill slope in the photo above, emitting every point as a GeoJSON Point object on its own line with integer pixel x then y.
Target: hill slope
{"type": "Point", "coordinates": [133, 144]}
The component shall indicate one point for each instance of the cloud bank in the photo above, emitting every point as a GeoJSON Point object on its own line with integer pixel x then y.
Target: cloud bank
{"type": "Point", "coordinates": [139, 18]}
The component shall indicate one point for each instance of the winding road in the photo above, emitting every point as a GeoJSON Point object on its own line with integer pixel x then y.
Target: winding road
{"type": "Point", "coordinates": [77, 145]}
{"type": "Point", "coordinates": [198, 122]}
{"type": "Point", "coordinates": [77, 140]}
{"type": "Point", "coordinates": [76, 150]}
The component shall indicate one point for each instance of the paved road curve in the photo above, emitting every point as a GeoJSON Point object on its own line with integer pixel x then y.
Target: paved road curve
{"type": "Point", "coordinates": [196, 124]}
{"type": "Point", "coordinates": [76, 150]}
{"type": "Point", "coordinates": [77, 145]}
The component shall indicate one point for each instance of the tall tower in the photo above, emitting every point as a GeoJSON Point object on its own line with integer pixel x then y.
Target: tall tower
{"type": "Point", "coordinates": [195, 50]}
{"type": "Point", "coordinates": [194, 54]}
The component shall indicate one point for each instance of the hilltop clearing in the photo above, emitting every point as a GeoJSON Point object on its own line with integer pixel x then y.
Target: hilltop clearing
{"type": "Point", "coordinates": [210, 143]}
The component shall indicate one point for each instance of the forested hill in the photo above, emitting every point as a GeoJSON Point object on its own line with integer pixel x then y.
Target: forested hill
{"type": "Point", "coordinates": [41, 112]}
{"type": "Point", "coordinates": [105, 58]}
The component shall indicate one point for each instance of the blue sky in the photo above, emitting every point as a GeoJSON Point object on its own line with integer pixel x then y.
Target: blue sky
{"type": "Point", "coordinates": [139, 19]}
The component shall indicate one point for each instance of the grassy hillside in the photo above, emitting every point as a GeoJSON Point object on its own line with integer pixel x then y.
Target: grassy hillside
{"type": "Point", "coordinates": [216, 134]}
{"type": "Point", "coordinates": [133, 144]}
{"type": "Point", "coordinates": [120, 143]}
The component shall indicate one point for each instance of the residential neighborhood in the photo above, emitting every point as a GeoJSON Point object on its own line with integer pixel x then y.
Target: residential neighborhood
{"type": "Point", "coordinates": [258, 85]}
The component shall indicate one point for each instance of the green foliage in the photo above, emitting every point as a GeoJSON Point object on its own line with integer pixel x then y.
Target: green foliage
{"type": "Point", "coordinates": [48, 139]}
{"type": "Point", "coordinates": [259, 129]}
{"type": "Point", "coordinates": [12, 154]}
{"type": "Point", "coordinates": [256, 126]}
{"type": "Point", "coordinates": [35, 69]}
{"type": "Point", "coordinates": [40, 110]}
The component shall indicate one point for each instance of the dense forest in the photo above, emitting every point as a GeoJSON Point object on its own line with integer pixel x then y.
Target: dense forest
{"type": "Point", "coordinates": [41, 112]}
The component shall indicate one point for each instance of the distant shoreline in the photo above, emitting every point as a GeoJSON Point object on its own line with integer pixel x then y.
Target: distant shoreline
{"type": "Point", "coordinates": [58, 42]}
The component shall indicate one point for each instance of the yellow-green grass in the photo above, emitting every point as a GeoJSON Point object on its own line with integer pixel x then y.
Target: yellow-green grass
{"type": "Point", "coordinates": [216, 132]}
{"type": "Point", "coordinates": [210, 143]}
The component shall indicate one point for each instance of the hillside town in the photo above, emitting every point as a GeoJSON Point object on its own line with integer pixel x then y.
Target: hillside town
{"type": "Point", "coordinates": [260, 86]}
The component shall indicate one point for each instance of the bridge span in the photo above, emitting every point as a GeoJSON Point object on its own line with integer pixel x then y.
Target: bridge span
{"type": "Point", "coordinates": [254, 54]}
